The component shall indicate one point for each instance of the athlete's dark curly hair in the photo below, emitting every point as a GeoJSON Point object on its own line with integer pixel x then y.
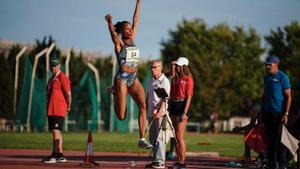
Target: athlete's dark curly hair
{"type": "Point", "coordinates": [119, 26]}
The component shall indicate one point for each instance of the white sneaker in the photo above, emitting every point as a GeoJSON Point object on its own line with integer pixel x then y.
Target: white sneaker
{"type": "Point", "coordinates": [144, 144]}
{"type": "Point", "coordinates": [61, 158]}
{"type": "Point", "coordinates": [158, 165]}
{"type": "Point", "coordinates": [50, 159]}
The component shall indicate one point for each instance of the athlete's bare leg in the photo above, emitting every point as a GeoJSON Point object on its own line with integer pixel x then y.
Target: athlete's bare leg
{"type": "Point", "coordinates": [137, 92]}
{"type": "Point", "coordinates": [120, 98]}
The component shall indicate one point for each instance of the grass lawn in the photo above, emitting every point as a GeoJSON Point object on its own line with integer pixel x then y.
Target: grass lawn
{"type": "Point", "coordinates": [225, 144]}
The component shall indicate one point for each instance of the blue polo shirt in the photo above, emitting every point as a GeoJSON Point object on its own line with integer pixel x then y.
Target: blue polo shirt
{"type": "Point", "coordinates": [274, 86]}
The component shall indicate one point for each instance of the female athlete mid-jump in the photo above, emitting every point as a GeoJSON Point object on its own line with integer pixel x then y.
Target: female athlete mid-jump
{"type": "Point", "coordinates": [125, 81]}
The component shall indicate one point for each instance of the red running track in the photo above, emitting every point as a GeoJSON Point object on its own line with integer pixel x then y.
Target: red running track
{"type": "Point", "coordinates": [31, 159]}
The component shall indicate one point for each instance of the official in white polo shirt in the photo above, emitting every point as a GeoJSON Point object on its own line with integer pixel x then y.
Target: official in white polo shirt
{"type": "Point", "coordinates": [156, 109]}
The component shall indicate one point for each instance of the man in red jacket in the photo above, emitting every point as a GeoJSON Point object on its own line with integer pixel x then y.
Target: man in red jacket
{"type": "Point", "coordinates": [58, 105]}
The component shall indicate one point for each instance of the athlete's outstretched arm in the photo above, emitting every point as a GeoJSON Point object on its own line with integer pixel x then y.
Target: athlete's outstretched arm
{"type": "Point", "coordinates": [136, 18]}
{"type": "Point", "coordinates": [114, 36]}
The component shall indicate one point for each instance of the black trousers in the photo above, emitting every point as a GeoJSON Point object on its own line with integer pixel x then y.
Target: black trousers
{"type": "Point", "coordinates": [276, 150]}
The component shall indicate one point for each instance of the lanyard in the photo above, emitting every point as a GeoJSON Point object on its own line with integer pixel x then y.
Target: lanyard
{"type": "Point", "coordinates": [51, 82]}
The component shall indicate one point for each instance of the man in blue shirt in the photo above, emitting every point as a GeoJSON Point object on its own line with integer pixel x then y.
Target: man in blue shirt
{"type": "Point", "coordinates": [276, 105]}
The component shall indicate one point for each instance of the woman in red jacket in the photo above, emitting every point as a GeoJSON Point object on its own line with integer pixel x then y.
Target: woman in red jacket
{"type": "Point", "coordinates": [182, 89]}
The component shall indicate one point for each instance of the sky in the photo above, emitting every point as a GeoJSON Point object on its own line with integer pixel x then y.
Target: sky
{"type": "Point", "coordinates": [80, 24]}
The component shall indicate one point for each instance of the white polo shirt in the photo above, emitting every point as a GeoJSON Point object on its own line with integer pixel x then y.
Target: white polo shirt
{"type": "Point", "coordinates": [153, 99]}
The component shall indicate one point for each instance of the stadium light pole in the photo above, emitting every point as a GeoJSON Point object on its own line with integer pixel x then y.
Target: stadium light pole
{"type": "Point", "coordinates": [111, 120]}
{"type": "Point", "coordinates": [17, 77]}
{"type": "Point", "coordinates": [97, 77]}
{"type": "Point", "coordinates": [32, 85]}
{"type": "Point", "coordinates": [68, 75]}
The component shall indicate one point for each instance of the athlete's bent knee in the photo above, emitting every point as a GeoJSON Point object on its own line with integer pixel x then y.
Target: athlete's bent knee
{"type": "Point", "coordinates": [121, 116]}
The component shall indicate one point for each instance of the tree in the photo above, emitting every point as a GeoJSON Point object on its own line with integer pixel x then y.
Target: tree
{"type": "Point", "coordinates": [225, 64]}
{"type": "Point", "coordinates": [285, 43]}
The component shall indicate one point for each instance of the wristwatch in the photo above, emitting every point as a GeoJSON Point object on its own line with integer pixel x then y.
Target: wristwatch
{"type": "Point", "coordinates": [286, 113]}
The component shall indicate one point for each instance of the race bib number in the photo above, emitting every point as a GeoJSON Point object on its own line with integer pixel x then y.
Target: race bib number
{"type": "Point", "coordinates": [132, 54]}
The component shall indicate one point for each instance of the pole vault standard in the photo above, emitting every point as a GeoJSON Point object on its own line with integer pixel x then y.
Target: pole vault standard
{"type": "Point", "coordinates": [97, 77]}
{"type": "Point", "coordinates": [32, 85]}
{"type": "Point", "coordinates": [17, 77]}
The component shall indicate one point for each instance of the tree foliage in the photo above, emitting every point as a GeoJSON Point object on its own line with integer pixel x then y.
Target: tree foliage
{"type": "Point", "coordinates": [224, 61]}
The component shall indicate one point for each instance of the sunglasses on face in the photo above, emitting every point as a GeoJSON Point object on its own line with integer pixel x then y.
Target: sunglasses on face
{"type": "Point", "coordinates": [154, 67]}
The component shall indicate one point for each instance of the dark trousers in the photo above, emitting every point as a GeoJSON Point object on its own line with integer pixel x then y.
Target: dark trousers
{"type": "Point", "coordinates": [276, 150]}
